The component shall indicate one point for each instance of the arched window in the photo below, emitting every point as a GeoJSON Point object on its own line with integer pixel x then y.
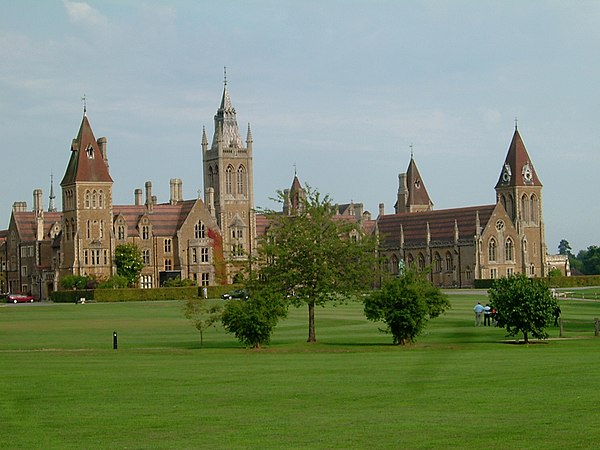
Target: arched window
{"type": "Point", "coordinates": [510, 207]}
{"type": "Point", "coordinates": [199, 230]}
{"type": "Point", "coordinates": [87, 200]}
{"type": "Point", "coordinates": [394, 269]}
{"type": "Point", "coordinates": [449, 262]}
{"type": "Point", "coordinates": [101, 199]}
{"type": "Point", "coordinates": [534, 209]}
{"type": "Point", "coordinates": [211, 181]}
{"type": "Point", "coordinates": [438, 262]}
{"type": "Point", "coordinates": [241, 180]}
{"type": "Point", "coordinates": [101, 230]}
{"type": "Point", "coordinates": [88, 229]}
{"type": "Point", "coordinates": [73, 229]}
{"type": "Point", "coordinates": [509, 250]}
{"type": "Point", "coordinates": [121, 232]}
{"type": "Point", "coordinates": [94, 199]}
{"type": "Point", "coordinates": [228, 180]}
{"type": "Point", "coordinates": [410, 260]}
{"type": "Point", "coordinates": [67, 230]}
{"type": "Point", "coordinates": [492, 250]}
{"type": "Point", "coordinates": [525, 208]}
{"type": "Point", "coordinates": [421, 262]}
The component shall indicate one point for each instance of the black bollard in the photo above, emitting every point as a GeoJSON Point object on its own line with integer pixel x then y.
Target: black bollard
{"type": "Point", "coordinates": [115, 340]}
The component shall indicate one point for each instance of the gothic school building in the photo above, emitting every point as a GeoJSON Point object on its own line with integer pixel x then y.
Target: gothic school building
{"type": "Point", "coordinates": [206, 240]}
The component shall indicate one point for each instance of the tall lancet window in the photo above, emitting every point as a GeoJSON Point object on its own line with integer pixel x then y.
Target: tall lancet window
{"type": "Point", "coordinates": [241, 180]}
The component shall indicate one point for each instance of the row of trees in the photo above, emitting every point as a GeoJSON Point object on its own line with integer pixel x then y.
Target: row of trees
{"type": "Point", "coordinates": [312, 258]}
{"type": "Point", "coordinates": [586, 261]}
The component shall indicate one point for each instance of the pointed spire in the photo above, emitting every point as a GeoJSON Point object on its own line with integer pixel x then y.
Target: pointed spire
{"type": "Point", "coordinates": [204, 139]}
{"type": "Point", "coordinates": [249, 135]}
{"type": "Point", "coordinates": [456, 233]}
{"type": "Point", "coordinates": [518, 169]}
{"type": "Point", "coordinates": [52, 197]}
{"type": "Point", "coordinates": [226, 117]}
{"type": "Point", "coordinates": [87, 161]}
{"type": "Point", "coordinates": [418, 197]}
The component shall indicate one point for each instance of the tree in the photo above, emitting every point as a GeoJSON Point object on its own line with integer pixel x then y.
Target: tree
{"type": "Point", "coordinates": [202, 314]}
{"type": "Point", "coordinates": [589, 260]}
{"type": "Point", "coordinates": [405, 304]}
{"type": "Point", "coordinates": [129, 262]}
{"type": "Point", "coordinates": [252, 320]}
{"type": "Point", "coordinates": [564, 248]}
{"type": "Point", "coordinates": [313, 257]}
{"type": "Point", "coordinates": [523, 305]}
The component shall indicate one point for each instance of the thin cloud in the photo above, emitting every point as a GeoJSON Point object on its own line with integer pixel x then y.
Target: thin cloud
{"type": "Point", "coordinates": [83, 14]}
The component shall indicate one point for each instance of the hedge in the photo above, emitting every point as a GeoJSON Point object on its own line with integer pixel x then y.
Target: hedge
{"type": "Point", "coordinates": [558, 282]}
{"type": "Point", "coordinates": [135, 295]}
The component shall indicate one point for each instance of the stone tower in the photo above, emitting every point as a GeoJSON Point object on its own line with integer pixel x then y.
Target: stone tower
{"type": "Point", "coordinates": [228, 182]}
{"type": "Point", "coordinates": [87, 241]}
{"type": "Point", "coordinates": [519, 190]}
{"type": "Point", "coordinates": [412, 194]}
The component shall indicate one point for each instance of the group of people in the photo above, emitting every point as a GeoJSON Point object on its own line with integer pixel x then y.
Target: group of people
{"type": "Point", "coordinates": [487, 313]}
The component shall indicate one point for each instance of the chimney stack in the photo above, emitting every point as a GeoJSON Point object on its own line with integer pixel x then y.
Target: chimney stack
{"type": "Point", "coordinates": [137, 195]}
{"type": "Point", "coordinates": [381, 209]}
{"type": "Point", "coordinates": [149, 197]}
{"type": "Point", "coordinates": [102, 146]}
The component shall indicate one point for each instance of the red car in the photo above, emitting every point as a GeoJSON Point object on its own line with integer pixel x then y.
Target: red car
{"type": "Point", "coordinates": [19, 298]}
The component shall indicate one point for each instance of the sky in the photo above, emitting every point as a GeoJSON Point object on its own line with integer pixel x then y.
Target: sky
{"type": "Point", "coordinates": [338, 91]}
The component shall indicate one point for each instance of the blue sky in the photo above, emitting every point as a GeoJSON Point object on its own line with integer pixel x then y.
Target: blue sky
{"type": "Point", "coordinates": [341, 89]}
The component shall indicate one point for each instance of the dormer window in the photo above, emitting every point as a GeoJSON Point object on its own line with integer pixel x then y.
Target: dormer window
{"type": "Point", "coordinates": [90, 152]}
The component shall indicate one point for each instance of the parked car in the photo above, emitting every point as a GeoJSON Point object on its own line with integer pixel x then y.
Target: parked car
{"type": "Point", "coordinates": [236, 293]}
{"type": "Point", "coordinates": [19, 298]}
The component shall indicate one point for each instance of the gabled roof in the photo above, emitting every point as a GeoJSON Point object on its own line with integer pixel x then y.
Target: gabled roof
{"type": "Point", "coordinates": [26, 224]}
{"type": "Point", "coordinates": [417, 193]}
{"type": "Point", "coordinates": [165, 218]}
{"type": "Point", "coordinates": [516, 160]}
{"type": "Point", "coordinates": [86, 162]}
{"type": "Point", "coordinates": [441, 225]}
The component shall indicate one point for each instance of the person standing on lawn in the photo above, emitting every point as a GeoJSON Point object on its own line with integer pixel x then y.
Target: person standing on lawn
{"type": "Point", "coordinates": [478, 312]}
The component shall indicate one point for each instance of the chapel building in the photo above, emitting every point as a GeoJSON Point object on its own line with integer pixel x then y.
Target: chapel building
{"type": "Point", "coordinates": [460, 245]}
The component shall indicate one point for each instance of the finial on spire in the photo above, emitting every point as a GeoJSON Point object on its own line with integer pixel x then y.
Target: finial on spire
{"type": "Point", "coordinates": [516, 123]}
{"type": "Point", "coordinates": [84, 100]}
{"type": "Point", "coordinates": [411, 151]}
{"type": "Point", "coordinates": [295, 172]}
{"type": "Point", "coordinates": [225, 75]}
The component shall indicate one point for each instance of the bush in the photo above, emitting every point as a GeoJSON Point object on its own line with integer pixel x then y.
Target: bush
{"type": "Point", "coordinates": [252, 321]}
{"type": "Point", "coordinates": [74, 282]}
{"type": "Point", "coordinates": [116, 282]}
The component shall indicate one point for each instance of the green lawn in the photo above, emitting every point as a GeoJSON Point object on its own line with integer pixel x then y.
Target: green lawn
{"type": "Point", "coordinates": [458, 386]}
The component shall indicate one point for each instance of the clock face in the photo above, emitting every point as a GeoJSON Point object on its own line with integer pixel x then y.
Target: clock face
{"type": "Point", "coordinates": [506, 173]}
{"type": "Point", "coordinates": [527, 172]}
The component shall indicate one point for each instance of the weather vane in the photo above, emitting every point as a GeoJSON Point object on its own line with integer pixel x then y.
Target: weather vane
{"type": "Point", "coordinates": [84, 100]}
{"type": "Point", "coordinates": [225, 74]}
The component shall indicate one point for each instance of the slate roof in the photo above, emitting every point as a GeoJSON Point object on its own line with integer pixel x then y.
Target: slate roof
{"type": "Point", "coordinates": [417, 193]}
{"type": "Point", "coordinates": [27, 225]}
{"type": "Point", "coordinates": [516, 158]}
{"type": "Point", "coordinates": [441, 225]}
{"type": "Point", "coordinates": [83, 166]}
{"type": "Point", "coordinates": [165, 218]}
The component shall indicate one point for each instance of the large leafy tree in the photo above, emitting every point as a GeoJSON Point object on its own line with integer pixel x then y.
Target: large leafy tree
{"type": "Point", "coordinates": [405, 304]}
{"type": "Point", "coordinates": [129, 262]}
{"type": "Point", "coordinates": [523, 305]}
{"type": "Point", "coordinates": [589, 260]}
{"type": "Point", "coordinates": [313, 256]}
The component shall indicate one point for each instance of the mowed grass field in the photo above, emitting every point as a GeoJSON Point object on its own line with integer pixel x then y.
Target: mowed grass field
{"type": "Point", "coordinates": [63, 386]}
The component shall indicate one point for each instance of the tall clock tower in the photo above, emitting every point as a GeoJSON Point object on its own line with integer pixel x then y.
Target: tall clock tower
{"type": "Point", "coordinates": [228, 182]}
{"type": "Point", "coordinates": [520, 191]}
